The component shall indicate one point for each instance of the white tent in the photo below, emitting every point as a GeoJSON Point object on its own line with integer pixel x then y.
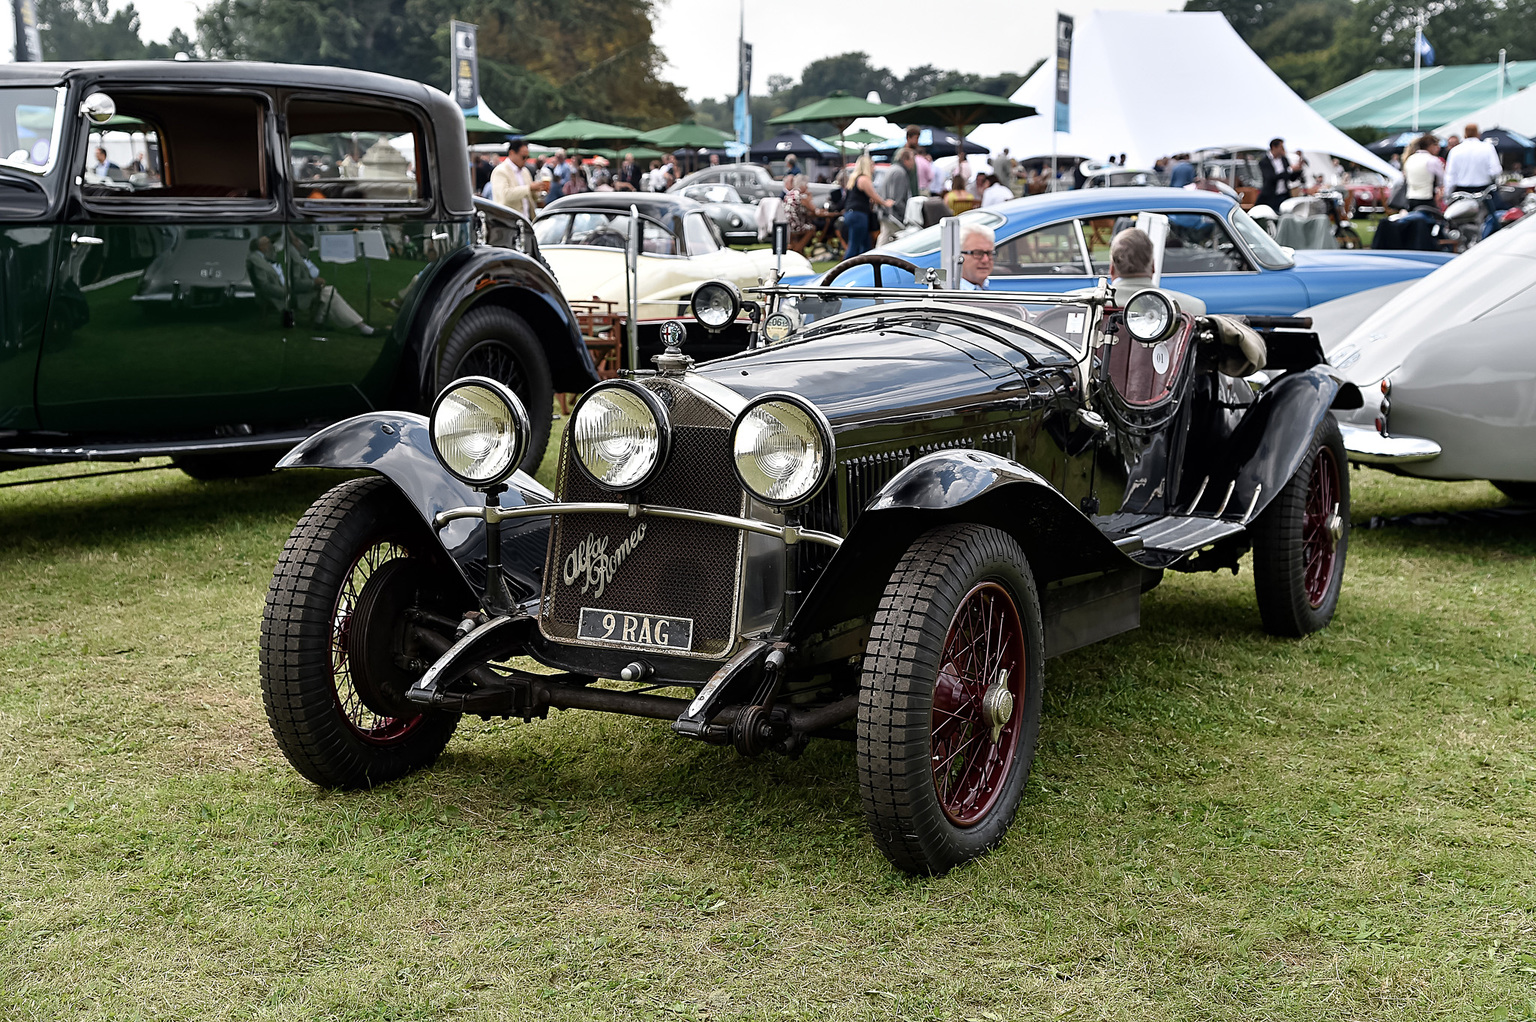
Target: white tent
{"type": "Point", "coordinates": [1515, 112]}
{"type": "Point", "coordinates": [1155, 84]}
{"type": "Point", "coordinates": [489, 115]}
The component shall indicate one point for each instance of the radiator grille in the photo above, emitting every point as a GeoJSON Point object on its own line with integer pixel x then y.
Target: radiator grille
{"type": "Point", "coordinates": [679, 569]}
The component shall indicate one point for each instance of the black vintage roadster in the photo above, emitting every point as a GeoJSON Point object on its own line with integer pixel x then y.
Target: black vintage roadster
{"type": "Point", "coordinates": [875, 525]}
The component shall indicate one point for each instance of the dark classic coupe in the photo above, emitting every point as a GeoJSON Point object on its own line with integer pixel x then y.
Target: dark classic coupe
{"type": "Point", "coordinates": [211, 260]}
{"type": "Point", "coordinates": [875, 525]}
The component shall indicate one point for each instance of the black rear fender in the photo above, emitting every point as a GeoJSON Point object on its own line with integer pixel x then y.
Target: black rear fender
{"type": "Point", "coordinates": [397, 446]}
{"type": "Point", "coordinates": [950, 487]}
{"type": "Point", "coordinates": [504, 277]}
{"type": "Point", "coordinates": [1275, 435]}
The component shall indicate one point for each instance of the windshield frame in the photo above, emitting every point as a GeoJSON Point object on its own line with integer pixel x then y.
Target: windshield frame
{"type": "Point", "coordinates": [1258, 242]}
{"type": "Point", "coordinates": [60, 94]}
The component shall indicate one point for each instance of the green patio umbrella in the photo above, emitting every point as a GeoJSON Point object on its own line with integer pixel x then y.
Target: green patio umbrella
{"type": "Point", "coordinates": [839, 109]}
{"type": "Point", "coordinates": [685, 134]}
{"type": "Point", "coordinates": [964, 110]}
{"type": "Point", "coordinates": [574, 132]}
{"type": "Point", "coordinates": [853, 143]}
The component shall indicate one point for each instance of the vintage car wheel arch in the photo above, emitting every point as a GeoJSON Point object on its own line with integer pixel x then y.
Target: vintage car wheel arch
{"type": "Point", "coordinates": [1275, 435]}
{"type": "Point", "coordinates": [1057, 538]}
{"type": "Point", "coordinates": [397, 446]}
{"type": "Point", "coordinates": [515, 282]}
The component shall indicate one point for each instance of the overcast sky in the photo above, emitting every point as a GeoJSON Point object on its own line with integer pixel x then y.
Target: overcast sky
{"type": "Point", "coordinates": [699, 36]}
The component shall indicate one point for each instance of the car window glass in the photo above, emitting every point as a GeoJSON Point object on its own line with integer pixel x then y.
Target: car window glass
{"type": "Point", "coordinates": [354, 153]}
{"type": "Point", "coordinates": [656, 240]}
{"type": "Point", "coordinates": [697, 233]}
{"type": "Point", "coordinates": [27, 118]}
{"type": "Point", "coordinates": [1098, 232]}
{"type": "Point", "coordinates": [601, 230]}
{"type": "Point", "coordinates": [1049, 250]}
{"type": "Point", "coordinates": [1199, 243]}
{"type": "Point", "coordinates": [188, 146]}
{"type": "Point", "coordinates": [927, 239]}
{"type": "Point", "coordinates": [1265, 248]}
{"type": "Point", "coordinates": [123, 157]}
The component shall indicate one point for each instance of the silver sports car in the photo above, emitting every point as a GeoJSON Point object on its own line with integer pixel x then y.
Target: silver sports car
{"type": "Point", "coordinates": [1447, 365]}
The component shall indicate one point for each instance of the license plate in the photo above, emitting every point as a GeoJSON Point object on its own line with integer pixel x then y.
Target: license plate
{"type": "Point", "coordinates": [636, 629]}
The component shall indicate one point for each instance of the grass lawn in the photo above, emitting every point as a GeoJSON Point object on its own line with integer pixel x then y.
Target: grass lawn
{"type": "Point", "coordinates": [1220, 824]}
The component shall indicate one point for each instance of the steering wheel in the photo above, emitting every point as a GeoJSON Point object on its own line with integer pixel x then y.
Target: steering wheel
{"type": "Point", "coordinates": [875, 259]}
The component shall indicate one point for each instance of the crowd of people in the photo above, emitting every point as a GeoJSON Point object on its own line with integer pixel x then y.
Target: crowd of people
{"type": "Point", "coordinates": [533, 180]}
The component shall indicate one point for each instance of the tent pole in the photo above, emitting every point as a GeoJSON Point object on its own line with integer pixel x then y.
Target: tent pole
{"type": "Point", "coordinates": [1418, 45]}
{"type": "Point", "coordinates": [1501, 75]}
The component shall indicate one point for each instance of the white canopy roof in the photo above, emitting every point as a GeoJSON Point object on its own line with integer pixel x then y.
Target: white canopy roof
{"type": "Point", "coordinates": [1516, 112]}
{"type": "Point", "coordinates": [1151, 84]}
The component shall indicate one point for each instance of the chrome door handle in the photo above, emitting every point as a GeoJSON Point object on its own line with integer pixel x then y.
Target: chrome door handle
{"type": "Point", "coordinates": [440, 236]}
{"type": "Point", "coordinates": [85, 239]}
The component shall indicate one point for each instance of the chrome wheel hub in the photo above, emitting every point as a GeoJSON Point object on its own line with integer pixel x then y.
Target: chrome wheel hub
{"type": "Point", "coordinates": [997, 705]}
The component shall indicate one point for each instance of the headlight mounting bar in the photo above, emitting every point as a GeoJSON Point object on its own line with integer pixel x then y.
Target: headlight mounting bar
{"type": "Point", "coordinates": [790, 534]}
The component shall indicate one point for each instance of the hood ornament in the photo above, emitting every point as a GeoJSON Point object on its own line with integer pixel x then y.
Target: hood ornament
{"type": "Point", "coordinates": [672, 361]}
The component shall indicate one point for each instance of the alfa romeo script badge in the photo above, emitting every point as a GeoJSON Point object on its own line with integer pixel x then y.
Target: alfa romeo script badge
{"type": "Point", "coordinates": [593, 565]}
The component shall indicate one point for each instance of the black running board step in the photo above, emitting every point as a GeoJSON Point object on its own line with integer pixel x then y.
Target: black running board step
{"type": "Point", "coordinates": [129, 451]}
{"type": "Point", "coordinates": [1167, 539]}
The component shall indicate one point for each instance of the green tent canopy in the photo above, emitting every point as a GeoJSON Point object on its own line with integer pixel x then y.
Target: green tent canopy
{"type": "Point", "coordinates": [576, 131]}
{"type": "Point", "coordinates": [685, 134]}
{"type": "Point", "coordinates": [1383, 99]}
{"type": "Point", "coordinates": [476, 126]}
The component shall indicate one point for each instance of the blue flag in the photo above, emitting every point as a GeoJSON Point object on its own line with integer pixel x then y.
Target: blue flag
{"type": "Point", "coordinates": [1426, 51]}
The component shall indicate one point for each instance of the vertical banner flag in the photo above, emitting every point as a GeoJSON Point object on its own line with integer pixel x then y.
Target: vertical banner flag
{"type": "Point", "coordinates": [29, 43]}
{"type": "Point", "coordinates": [1426, 52]}
{"type": "Point", "coordinates": [1063, 70]}
{"type": "Point", "coordinates": [743, 123]}
{"type": "Point", "coordinates": [466, 67]}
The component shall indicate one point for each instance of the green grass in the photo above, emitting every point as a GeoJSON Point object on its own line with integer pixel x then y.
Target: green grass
{"type": "Point", "coordinates": [1220, 824]}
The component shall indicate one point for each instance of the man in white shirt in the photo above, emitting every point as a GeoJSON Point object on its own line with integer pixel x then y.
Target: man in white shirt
{"type": "Point", "coordinates": [992, 190]}
{"type": "Point", "coordinates": [512, 185]}
{"type": "Point", "coordinates": [1473, 165]}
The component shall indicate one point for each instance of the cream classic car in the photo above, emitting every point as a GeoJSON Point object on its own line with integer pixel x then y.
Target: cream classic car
{"type": "Point", "coordinates": [584, 237]}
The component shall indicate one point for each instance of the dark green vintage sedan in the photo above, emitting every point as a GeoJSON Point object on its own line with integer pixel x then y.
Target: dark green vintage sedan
{"type": "Point", "coordinates": [212, 260]}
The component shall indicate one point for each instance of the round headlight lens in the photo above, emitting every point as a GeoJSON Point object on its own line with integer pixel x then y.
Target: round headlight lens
{"type": "Point", "coordinates": [479, 430]}
{"type": "Point", "coordinates": [782, 449]}
{"type": "Point", "coordinates": [715, 304]}
{"type": "Point", "coordinates": [620, 435]}
{"type": "Point", "coordinates": [1149, 316]}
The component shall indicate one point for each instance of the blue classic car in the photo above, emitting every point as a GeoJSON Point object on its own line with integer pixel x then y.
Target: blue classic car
{"type": "Point", "coordinates": [1060, 242]}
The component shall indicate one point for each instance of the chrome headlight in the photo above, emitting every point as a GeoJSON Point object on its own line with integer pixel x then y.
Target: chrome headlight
{"type": "Point", "coordinates": [621, 434]}
{"type": "Point", "coordinates": [716, 303]}
{"type": "Point", "coordinates": [782, 448]}
{"type": "Point", "coordinates": [1150, 316]}
{"type": "Point", "coordinates": [479, 430]}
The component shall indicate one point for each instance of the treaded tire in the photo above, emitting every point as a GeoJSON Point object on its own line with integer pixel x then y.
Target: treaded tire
{"type": "Point", "coordinates": [321, 722]}
{"type": "Point", "coordinates": [236, 465]}
{"type": "Point", "coordinates": [1298, 566]}
{"type": "Point", "coordinates": [1517, 491]}
{"type": "Point", "coordinates": [492, 341]}
{"type": "Point", "coordinates": [916, 692]}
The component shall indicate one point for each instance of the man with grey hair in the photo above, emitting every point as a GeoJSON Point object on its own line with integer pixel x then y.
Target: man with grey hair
{"type": "Point", "coordinates": [1130, 267]}
{"type": "Point", "coordinates": [978, 251]}
{"type": "Point", "coordinates": [897, 187]}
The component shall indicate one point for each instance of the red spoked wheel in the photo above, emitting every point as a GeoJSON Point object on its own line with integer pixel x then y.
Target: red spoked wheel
{"type": "Point", "coordinates": [1301, 539]}
{"type": "Point", "coordinates": [367, 724]}
{"type": "Point", "coordinates": [977, 704]}
{"type": "Point", "coordinates": [949, 702]}
{"type": "Point", "coordinates": [1320, 525]}
{"type": "Point", "coordinates": [332, 677]}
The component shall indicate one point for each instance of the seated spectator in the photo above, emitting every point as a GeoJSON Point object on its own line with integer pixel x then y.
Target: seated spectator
{"type": "Point", "coordinates": [1130, 270]}
{"type": "Point", "coordinates": [958, 198]}
{"type": "Point", "coordinates": [799, 212]}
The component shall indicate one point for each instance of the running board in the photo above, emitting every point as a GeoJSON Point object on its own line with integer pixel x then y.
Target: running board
{"type": "Point", "coordinates": [128, 451]}
{"type": "Point", "coordinates": [1166, 540]}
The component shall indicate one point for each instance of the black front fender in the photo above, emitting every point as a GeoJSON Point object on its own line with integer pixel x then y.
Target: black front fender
{"type": "Point", "coordinates": [499, 276]}
{"type": "Point", "coordinates": [1269, 445]}
{"type": "Point", "coordinates": [397, 445]}
{"type": "Point", "coordinates": [950, 487]}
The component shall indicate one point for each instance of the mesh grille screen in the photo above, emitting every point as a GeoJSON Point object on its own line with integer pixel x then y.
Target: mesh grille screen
{"type": "Point", "coordinates": [679, 569]}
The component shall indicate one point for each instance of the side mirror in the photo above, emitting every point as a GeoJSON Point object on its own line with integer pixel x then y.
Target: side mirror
{"type": "Point", "coordinates": [98, 107]}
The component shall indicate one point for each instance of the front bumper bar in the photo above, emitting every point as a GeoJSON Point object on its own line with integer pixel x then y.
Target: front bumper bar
{"type": "Point", "coordinates": [790, 534]}
{"type": "Point", "coordinates": [1370, 447]}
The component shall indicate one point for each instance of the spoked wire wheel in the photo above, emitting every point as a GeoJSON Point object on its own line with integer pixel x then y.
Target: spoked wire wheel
{"type": "Point", "coordinates": [364, 722]}
{"type": "Point", "coordinates": [949, 702]}
{"type": "Point", "coordinates": [977, 704]}
{"type": "Point", "coordinates": [331, 633]}
{"type": "Point", "coordinates": [1301, 539]}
